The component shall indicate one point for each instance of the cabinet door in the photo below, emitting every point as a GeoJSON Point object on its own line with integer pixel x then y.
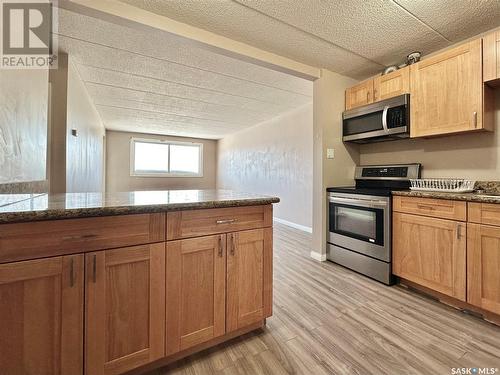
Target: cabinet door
{"type": "Point", "coordinates": [392, 84]}
{"type": "Point", "coordinates": [125, 308]}
{"type": "Point", "coordinates": [491, 57]}
{"type": "Point", "coordinates": [483, 265]}
{"type": "Point", "coordinates": [41, 316]}
{"type": "Point", "coordinates": [359, 95]}
{"type": "Point", "coordinates": [196, 291]}
{"type": "Point", "coordinates": [249, 277]}
{"type": "Point", "coordinates": [447, 92]}
{"type": "Point", "coordinates": [430, 252]}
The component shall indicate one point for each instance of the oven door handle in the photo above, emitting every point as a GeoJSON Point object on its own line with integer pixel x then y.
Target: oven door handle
{"type": "Point", "coordinates": [359, 202]}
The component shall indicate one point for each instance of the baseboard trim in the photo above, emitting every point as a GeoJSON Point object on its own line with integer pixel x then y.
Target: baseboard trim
{"type": "Point", "coordinates": [293, 225]}
{"type": "Point", "coordinates": [318, 256]}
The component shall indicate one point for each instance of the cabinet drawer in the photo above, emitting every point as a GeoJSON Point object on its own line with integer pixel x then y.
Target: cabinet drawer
{"type": "Point", "coordinates": [484, 213]}
{"type": "Point", "coordinates": [440, 208]}
{"type": "Point", "coordinates": [58, 237]}
{"type": "Point", "coordinates": [185, 224]}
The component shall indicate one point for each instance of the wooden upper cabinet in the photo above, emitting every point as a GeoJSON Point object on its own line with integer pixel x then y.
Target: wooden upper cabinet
{"type": "Point", "coordinates": [430, 252]}
{"type": "Point", "coordinates": [41, 317]}
{"type": "Point", "coordinates": [359, 95]}
{"type": "Point", "coordinates": [125, 308]}
{"type": "Point", "coordinates": [249, 277]}
{"type": "Point", "coordinates": [483, 265]}
{"type": "Point", "coordinates": [491, 58]}
{"type": "Point", "coordinates": [392, 84]}
{"type": "Point", "coordinates": [196, 291]}
{"type": "Point", "coordinates": [447, 92]}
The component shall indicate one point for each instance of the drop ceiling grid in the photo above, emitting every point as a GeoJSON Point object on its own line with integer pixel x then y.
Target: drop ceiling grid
{"type": "Point", "coordinates": [364, 35]}
{"type": "Point", "coordinates": [151, 82]}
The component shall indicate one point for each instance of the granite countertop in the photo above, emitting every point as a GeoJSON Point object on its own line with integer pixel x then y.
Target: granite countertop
{"type": "Point", "coordinates": [23, 207]}
{"type": "Point", "coordinates": [470, 197]}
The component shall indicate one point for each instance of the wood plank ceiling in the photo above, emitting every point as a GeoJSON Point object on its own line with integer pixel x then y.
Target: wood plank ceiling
{"type": "Point", "coordinates": [154, 82]}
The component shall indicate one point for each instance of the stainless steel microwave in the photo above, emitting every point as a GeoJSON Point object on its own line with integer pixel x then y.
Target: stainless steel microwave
{"type": "Point", "coordinates": [382, 121]}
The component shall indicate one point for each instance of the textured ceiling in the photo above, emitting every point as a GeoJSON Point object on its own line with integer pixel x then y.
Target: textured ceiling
{"type": "Point", "coordinates": [356, 38]}
{"type": "Point", "coordinates": [153, 82]}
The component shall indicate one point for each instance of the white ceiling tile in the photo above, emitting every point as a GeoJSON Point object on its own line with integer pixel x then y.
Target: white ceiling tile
{"type": "Point", "coordinates": [456, 19]}
{"type": "Point", "coordinates": [150, 81]}
{"type": "Point", "coordinates": [238, 22]}
{"type": "Point", "coordinates": [352, 37]}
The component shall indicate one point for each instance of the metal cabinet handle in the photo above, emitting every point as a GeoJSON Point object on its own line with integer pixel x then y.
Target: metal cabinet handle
{"type": "Point", "coordinates": [368, 97]}
{"type": "Point", "coordinates": [226, 221]}
{"type": "Point", "coordinates": [474, 119]}
{"type": "Point", "coordinates": [220, 246]}
{"type": "Point", "coordinates": [233, 244]}
{"type": "Point", "coordinates": [82, 237]}
{"type": "Point", "coordinates": [72, 273]}
{"type": "Point", "coordinates": [94, 269]}
{"type": "Point", "coordinates": [459, 231]}
{"type": "Point", "coordinates": [422, 206]}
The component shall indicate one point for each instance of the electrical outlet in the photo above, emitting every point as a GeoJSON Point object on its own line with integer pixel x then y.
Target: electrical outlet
{"type": "Point", "coordinates": [330, 153]}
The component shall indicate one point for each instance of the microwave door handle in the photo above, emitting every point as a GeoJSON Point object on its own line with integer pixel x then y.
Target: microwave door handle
{"type": "Point", "coordinates": [384, 119]}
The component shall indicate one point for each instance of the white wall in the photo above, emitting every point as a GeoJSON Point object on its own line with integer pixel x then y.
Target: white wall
{"type": "Point", "coordinates": [273, 158]}
{"type": "Point", "coordinates": [84, 153]}
{"type": "Point", "coordinates": [23, 125]}
{"type": "Point", "coordinates": [328, 107]}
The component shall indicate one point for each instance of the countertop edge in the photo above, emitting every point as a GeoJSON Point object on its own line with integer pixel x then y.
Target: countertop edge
{"type": "Point", "coordinates": [467, 197]}
{"type": "Point", "coordinates": [62, 214]}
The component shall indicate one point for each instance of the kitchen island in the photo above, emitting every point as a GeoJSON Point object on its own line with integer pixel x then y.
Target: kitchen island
{"type": "Point", "coordinates": [112, 283]}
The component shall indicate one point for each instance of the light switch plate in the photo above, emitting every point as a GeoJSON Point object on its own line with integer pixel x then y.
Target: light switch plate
{"type": "Point", "coordinates": [330, 153]}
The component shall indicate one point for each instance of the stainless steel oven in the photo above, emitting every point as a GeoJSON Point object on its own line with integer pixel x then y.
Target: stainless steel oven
{"type": "Point", "coordinates": [360, 219]}
{"type": "Point", "coordinates": [361, 222]}
{"type": "Point", "coordinates": [382, 121]}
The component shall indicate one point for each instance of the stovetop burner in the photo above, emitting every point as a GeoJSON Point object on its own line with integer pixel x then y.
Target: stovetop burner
{"type": "Point", "coordinates": [380, 180]}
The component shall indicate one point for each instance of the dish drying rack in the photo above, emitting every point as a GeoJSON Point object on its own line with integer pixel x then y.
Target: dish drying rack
{"type": "Point", "coordinates": [443, 185]}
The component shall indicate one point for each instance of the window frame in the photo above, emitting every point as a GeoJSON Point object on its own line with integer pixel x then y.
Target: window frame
{"type": "Point", "coordinates": [134, 173]}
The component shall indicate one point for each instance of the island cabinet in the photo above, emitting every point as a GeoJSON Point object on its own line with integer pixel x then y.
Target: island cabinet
{"type": "Point", "coordinates": [428, 249]}
{"type": "Point", "coordinates": [82, 296]}
{"type": "Point", "coordinates": [41, 316]}
{"type": "Point", "coordinates": [124, 308]}
{"type": "Point", "coordinates": [483, 256]}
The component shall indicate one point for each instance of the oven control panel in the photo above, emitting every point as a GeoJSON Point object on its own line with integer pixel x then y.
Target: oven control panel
{"type": "Point", "coordinates": [385, 172]}
{"type": "Point", "coordinates": [388, 172]}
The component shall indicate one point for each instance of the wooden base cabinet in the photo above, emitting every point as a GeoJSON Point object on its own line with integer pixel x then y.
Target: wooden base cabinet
{"type": "Point", "coordinates": [483, 267]}
{"type": "Point", "coordinates": [216, 285]}
{"type": "Point", "coordinates": [41, 316]}
{"type": "Point", "coordinates": [249, 277]}
{"type": "Point", "coordinates": [196, 291]}
{"type": "Point", "coordinates": [430, 252]}
{"type": "Point", "coordinates": [125, 308]}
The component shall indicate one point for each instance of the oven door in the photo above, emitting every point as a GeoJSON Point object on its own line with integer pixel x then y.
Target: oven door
{"type": "Point", "coordinates": [360, 223]}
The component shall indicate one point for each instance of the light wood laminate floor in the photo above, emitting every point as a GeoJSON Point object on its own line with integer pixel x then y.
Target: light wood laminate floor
{"type": "Point", "coordinates": [329, 320]}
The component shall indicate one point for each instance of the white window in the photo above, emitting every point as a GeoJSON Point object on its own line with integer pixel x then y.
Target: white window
{"type": "Point", "coordinates": [156, 158]}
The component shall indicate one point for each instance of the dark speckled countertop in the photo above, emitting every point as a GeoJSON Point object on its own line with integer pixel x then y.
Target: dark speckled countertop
{"type": "Point", "coordinates": [470, 197]}
{"type": "Point", "coordinates": [24, 207]}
